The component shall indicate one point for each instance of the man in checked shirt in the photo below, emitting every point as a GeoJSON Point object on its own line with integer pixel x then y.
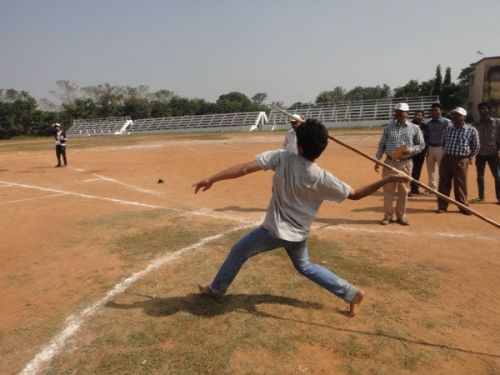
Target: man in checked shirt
{"type": "Point", "coordinates": [460, 144]}
{"type": "Point", "coordinates": [399, 132]}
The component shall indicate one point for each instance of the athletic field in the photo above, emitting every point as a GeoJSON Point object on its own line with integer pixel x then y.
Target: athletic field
{"type": "Point", "coordinates": [99, 265]}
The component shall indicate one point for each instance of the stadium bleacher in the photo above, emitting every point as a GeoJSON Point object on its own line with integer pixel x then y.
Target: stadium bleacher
{"type": "Point", "coordinates": [241, 121]}
{"type": "Point", "coordinates": [364, 113]}
{"type": "Point", "coordinates": [100, 126]}
{"type": "Point", "coordinates": [350, 114]}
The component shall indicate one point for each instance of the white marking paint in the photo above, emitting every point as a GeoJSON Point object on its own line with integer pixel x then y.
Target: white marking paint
{"type": "Point", "coordinates": [78, 169]}
{"type": "Point", "coordinates": [136, 188]}
{"type": "Point", "coordinates": [341, 228]}
{"type": "Point", "coordinates": [92, 180]}
{"type": "Point", "coordinates": [127, 202]}
{"type": "Point", "coordinates": [74, 322]}
{"type": "Point", "coordinates": [32, 198]}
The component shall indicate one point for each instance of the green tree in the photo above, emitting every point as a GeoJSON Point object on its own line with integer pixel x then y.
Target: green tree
{"type": "Point", "coordinates": [234, 102]}
{"type": "Point", "coordinates": [367, 93]}
{"type": "Point", "coordinates": [438, 82]}
{"type": "Point", "coordinates": [448, 90]}
{"type": "Point", "coordinates": [336, 95]}
{"type": "Point", "coordinates": [411, 88]}
{"type": "Point", "coordinates": [137, 107]}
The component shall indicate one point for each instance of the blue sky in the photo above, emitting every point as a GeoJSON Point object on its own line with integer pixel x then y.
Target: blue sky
{"type": "Point", "coordinates": [291, 50]}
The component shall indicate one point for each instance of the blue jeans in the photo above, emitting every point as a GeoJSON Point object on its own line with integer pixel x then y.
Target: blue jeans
{"type": "Point", "coordinates": [261, 240]}
{"type": "Point", "coordinates": [491, 160]}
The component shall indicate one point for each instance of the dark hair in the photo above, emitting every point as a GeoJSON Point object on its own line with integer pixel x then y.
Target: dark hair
{"type": "Point", "coordinates": [312, 137]}
{"type": "Point", "coordinates": [419, 111]}
{"type": "Point", "coordinates": [437, 105]}
{"type": "Point", "coordinates": [484, 104]}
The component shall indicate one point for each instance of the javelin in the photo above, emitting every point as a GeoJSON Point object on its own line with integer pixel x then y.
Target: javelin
{"type": "Point", "coordinates": [440, 195]}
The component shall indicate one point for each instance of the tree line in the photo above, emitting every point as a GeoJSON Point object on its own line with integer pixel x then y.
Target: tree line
{"type": "Point", "coordinates": [21, 114]}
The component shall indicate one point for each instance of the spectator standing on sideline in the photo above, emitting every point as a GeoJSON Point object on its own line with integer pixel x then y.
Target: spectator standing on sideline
{"type": "Point", "coordinates": [418, 159]}
{"type": "Point", "coordinates": [60, 136]}
{"type": "Point", "coordinates": [460, 144]}
{"type": "Point", "coordinates": [290, 141]}
{"type": "Point", "coordinates": [398, 133]}
{"type": "Point", "coordinates": [434, 131]}
{"type": "Point", "coordinates": [489, 149]}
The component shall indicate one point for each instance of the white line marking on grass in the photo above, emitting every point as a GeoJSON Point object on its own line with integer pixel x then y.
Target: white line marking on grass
{"type": "Point", "coordinates": [32, 198]}
{"type": "Point", "coordinates": [342, 228]}
{"type": "Point", "coordinates": [136, 188]}
{"type": "Point", "coordinates": [74, 322]}
{"type": "Point", "coordinates": [127, 202]}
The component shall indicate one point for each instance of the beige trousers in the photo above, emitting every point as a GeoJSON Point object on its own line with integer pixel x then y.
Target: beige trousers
{"type": "Point", "coordinates": [400, 189]}
{"type": "Point", "coordinates": [434, 156]}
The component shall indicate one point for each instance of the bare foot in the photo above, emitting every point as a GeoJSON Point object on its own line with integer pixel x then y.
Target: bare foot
{"type": "Point", "coordinates": [355, 301]}
{"type": "Point", "coordinates": [205, 290]}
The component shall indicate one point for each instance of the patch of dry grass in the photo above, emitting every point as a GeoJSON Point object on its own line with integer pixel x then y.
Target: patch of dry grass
{"type": "Point", "coordinates": [269, 315]}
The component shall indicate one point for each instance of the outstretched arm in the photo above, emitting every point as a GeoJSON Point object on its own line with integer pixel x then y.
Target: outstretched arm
{"type": "Point", "coordinates": [373, 187]}
{"type": "Point", "coordinates": [232, 172]}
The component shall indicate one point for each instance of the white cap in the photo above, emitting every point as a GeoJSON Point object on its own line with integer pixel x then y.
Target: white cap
{"type": "Point", "coordinates": [460, 111]}
{"type": "Point", "coordinates": [401, 107]}
{"type": "Point", "coordinates": [56, 124]}
{"type": "Point", "coordinates": [296, 117]}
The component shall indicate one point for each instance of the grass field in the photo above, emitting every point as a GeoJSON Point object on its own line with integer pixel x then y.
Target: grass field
{"type": "Point", "coordinates": [99, 266]}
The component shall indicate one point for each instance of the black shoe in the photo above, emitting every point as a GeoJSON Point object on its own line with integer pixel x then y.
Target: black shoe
{"type": "Point", "coordinates": [58, 166]}
{"type": "Point", "coordinates": [440, 210]}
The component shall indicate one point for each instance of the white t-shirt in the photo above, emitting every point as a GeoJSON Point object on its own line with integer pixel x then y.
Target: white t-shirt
{"type": "Point", "coordinates": [299, 188]}
{"type": "Point", "coordinates": [290, 142]}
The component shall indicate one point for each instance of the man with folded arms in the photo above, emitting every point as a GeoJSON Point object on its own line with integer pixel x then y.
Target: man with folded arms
{"type": "Point", "coordinates": [489, 149]}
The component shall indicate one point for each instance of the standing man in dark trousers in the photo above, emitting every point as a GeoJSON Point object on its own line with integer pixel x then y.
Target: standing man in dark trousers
{"type": "Point", "coordinates": [60, 136]}
{"type": "Point", "coordinates": [460, 144]}
{"type": "Point", "coordinates": [418, 159]}
{"type": "Point", "coordinates": [489, 149]}
{"type": "Point", "coordinates": [399, 134]}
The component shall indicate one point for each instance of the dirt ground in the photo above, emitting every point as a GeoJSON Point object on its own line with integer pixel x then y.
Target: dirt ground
{"type": "Point", "coordinates": [68, 239]}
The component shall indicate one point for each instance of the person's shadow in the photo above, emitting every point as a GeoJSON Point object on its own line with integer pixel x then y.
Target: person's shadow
{"type": "Point", "coordinates": [203, 306]}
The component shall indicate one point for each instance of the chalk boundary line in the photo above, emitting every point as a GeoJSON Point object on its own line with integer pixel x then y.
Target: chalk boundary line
{"type": "Point", "coordinates": [75, 321]}
{"type": "Point", "coordinates": [316, 226]}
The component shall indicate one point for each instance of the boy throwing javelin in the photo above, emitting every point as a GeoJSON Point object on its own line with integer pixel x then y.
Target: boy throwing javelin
{"type": "Point", "coordinates": [299, 188]}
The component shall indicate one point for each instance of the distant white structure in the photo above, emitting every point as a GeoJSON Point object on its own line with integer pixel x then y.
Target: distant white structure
{"type": "Point", "coordinates": [100, 126]}
{"type": "Point", "coordinates": [363, 113]}
{"type": "Point", "coordinates": [241, 121]}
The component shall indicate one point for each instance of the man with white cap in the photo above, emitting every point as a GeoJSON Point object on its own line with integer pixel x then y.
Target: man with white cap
{"type": "Point", "coordinates": [290, 141]}
{"type": "Point", "coordinates": [400, 140]}
{"type": "Point", "coordinates": [460, 144]}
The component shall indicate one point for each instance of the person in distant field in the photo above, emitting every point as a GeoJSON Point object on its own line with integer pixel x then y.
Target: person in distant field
{"type": "Point", "coordinates": [299, 188]}
{"type": "Point", "coordinates": [418, 159]}
{"type": "Point", "coordinates": [489, 149]}
{"type": "Point", "coordinates": [60, 136]}
{"type": "Point", "coordinates": [399, 133]}
{"type": "Point", "coordinates": [460, 144]}
{"type": "Point", "coordinates": [434, 132]}
{"type": "Point", "coordinates": [290, 141]}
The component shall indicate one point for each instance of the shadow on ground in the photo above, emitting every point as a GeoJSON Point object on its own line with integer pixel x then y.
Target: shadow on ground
{"type": "Point", "coordinates": [203, 306]}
